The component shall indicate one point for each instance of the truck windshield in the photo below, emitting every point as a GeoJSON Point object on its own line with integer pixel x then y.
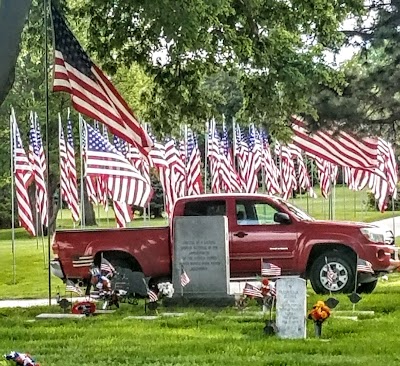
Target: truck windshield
{"type": "Point", "coordinates": [300, 214]}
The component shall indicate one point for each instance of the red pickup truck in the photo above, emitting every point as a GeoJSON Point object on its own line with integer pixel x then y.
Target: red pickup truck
{"type": "Point", "coordinates": [260, 228]}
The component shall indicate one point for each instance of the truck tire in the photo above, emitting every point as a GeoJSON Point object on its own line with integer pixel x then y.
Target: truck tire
{"type": "Point", "coordinates": [343, 278]}
{"type": "Point", "coordinates": [367, 288]}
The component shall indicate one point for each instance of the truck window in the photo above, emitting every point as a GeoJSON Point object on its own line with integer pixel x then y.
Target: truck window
{"type": "Point", "coordinates": [205, 208]}
{"type": "Point", "coordinates": [254, 213]}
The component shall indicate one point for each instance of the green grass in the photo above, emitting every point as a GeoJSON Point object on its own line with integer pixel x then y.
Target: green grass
{"type": "Point", "coordinates": [207, 337]}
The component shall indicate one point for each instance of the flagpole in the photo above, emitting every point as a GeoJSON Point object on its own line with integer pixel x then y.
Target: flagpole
{"type": "Point", "coordinates": [46, 81]}
{"type": "Point", "coordinates": [206, 157]}
{"type": "Point", "coordinates": [82, 183]}
{"type": "Point", "coordinates": [59, 137]}
{"type": "Point", "coordinates": [12, 196]}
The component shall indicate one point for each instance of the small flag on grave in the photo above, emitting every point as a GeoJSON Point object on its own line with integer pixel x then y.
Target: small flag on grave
{"type": "Point", "coordinates": [364, 266]}
{"type": "Point", "coordinates": [252, 291]}
{"type": "Point", "coordinates": [70, 287]}
{"type": "Point", "coordinates": [153, 297]}
{"type": "Point", "coordinates": [184, 277]}
{"type": "Point", "coordinates": [270, 270]}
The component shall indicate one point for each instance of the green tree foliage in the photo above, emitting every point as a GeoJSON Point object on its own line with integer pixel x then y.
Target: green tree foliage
{"type": "Point", "coordinates": [370, 101]}
{"type": "Point", "coordinates": [278, 47]}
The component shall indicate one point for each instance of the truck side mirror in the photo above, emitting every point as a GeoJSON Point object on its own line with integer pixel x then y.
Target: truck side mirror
{"type": "Point", "coordinates": [282, 218]}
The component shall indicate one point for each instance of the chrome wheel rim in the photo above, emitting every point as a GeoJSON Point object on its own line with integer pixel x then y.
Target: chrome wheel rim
{"type": "Point", "coordinates": [334, 276]}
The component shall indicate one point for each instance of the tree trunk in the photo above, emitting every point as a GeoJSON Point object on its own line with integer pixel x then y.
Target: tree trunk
{"type": "Point", "coordinates": [90, 217]}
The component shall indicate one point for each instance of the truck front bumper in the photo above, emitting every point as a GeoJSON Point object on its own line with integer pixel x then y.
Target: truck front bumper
{"type": "Point", "coordinates": [56, 269]}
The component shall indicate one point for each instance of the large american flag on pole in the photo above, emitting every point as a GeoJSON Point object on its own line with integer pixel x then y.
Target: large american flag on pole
{"type": "Point", "coordinates": [23, 178]}
{"type": "Point", "coordinates": [124, 182]}
{"type": "Point", "coordinates": [91, 91]}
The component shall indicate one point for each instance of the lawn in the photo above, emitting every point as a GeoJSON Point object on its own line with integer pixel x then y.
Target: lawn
{"type": "Point", "coordinates": [207, 336]}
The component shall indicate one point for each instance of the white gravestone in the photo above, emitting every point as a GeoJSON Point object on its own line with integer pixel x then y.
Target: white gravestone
{"type": "Point", "coordinates": [291, 307]}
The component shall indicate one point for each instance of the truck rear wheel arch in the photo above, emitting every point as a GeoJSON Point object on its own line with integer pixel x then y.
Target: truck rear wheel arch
{"type": "Point", "coordinates": [120, 259]}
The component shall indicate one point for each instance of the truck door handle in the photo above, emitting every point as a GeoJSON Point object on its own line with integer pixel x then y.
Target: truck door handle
{"type": "Point", "coordinates": [240, 234]}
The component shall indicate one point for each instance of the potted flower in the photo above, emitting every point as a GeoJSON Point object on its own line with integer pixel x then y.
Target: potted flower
{"type": "Point", "coordinates": [318, 314]}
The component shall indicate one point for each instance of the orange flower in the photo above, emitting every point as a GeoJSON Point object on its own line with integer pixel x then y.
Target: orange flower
{"type": "Point", "coordinates": [319, 312]}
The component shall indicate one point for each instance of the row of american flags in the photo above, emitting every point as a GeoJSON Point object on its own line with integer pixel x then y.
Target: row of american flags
{"type": "Point", "coordinates": [118, 172]}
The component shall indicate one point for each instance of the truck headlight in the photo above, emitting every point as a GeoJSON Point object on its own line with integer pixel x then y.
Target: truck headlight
{"type": "Point", "coordinates": [374, 235]}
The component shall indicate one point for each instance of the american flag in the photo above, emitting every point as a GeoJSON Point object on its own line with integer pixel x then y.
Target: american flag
{"type": "Point", "coordinates": [153, 297]}
{"type": "Point", "coordinates": [227, 163]}
{"type": "Point", "coordinates": [70, 287]}
{"type": "Point", "coordinates": [241, 152]}
{"type": "Point", "coordinates": [37, 159]}
{"type": "Point", "coordinates": [106, 266]}
{"type": "Point", "coordinates": [252, 291]}
{"type": "Point", "coordinates": [217, 174]}
{"type": "Point", "coordinates": [364, 266]}
{"type": "Point", "coordinates": [123, 212]}
{"type": "Point", "coordinates": [23, 178]}
{"type": "Point", "coordinates": [330, 275]}
{"type": "Point", "coordinates": [342, 150]}
{"type": "Point", "coordinates": [64, 181]}
{"type": "Point", "coordinates": [184, 277]}
{"type": "Point", "coordinates": [270, 270]}
{"type": "Point", "coordinates": [271, 171]}
{"type": "Point", "coordinates": [194, 182]}
{"type": "Point", "coordinates": [72, 180]}
{"type": "Point", "coordinates": [124, 182]}
{"type": "Point", "coordinates": [91, 91]}
{"type": "Point", "coordinates": [254, 160]}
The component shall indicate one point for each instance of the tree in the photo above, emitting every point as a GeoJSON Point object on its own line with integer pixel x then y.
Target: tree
{"type": "Point", "coordinates": [370, 101]}
{"type": "Point", "coordinates": [276, 47]}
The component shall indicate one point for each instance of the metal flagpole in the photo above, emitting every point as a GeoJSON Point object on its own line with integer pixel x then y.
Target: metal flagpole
{"type": "Point", "coordinates": [206, 156]}
{"type": "Point", "coordinates": [12, 144]}
{"type": "Point", "coordinates": [82, 178]}
{"type": "Point", "coordinates": [59, 137]}
{"type": "Point", "coordinates": [46, 66]}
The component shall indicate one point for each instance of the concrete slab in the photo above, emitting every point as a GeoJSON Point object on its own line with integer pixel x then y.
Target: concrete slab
{"type": "Point", "coordinates": [101, 311]}
{"type": "Point", "coordinates": [60, 316]}
{"type": "Point", "coordinates": [146, 317]}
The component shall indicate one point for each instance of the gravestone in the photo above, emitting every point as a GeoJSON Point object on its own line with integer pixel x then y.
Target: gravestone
{"type": "Point", "coordinates": [291, 307]}
{"type": "Point", "coordinates": [201, 248]}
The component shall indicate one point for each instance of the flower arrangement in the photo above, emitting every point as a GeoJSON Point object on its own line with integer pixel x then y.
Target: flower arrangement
{"type": "Point", "coordinates": [165, 289]}
{"type": "Point", "coordinates": [318, 314]}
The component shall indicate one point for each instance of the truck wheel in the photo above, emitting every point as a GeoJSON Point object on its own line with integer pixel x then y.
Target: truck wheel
{"type": "Point", "coordinates": [342, 279]}
{"type": "Point", "coordinates": [367, 287]}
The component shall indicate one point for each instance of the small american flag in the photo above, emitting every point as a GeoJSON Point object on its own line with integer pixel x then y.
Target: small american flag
{"type": "Point", "coordinates": [252, 291]}
{"type": "Point", "coordinates": [70, 287]}
{"type": "Point", "coordinates": [270, 270]}
{"type": "Point", "coordinates": [184, 278]}
{"type": "Point", "coordinates": [153, 297]}
{"type": "Point", "coordinates": [364, 266]}
{"type": "Point", "coordinates": [330, 275]}
{"type": "Point", "coordinates": [91, 91]}
{"type": "Point", "coordinates": [106, 266]}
